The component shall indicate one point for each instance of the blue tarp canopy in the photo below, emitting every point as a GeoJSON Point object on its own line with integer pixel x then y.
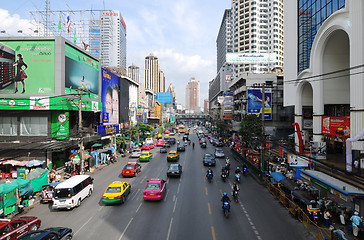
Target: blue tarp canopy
{"type": "Point", "coordinates": [277, 176]}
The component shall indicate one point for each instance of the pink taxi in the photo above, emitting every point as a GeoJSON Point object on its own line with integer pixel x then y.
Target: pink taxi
{"type": "Point", "coordinates": [155, 189]}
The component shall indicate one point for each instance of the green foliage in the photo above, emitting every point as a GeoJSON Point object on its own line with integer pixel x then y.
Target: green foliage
{"type": "Point", "coordinates": [223, 127]}
{"type": "Point", "coordinates": [251, 126]}
{"type": "Point", "coordinates": [120, 140]}
{"type": "Point", "coordinates": [171, 124]}
{"type": "Point", "coordinates": [160, 129]}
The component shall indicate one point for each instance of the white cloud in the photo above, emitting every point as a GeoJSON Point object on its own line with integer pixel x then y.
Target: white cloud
{"type": "Point", "coordinates": [11, 24]}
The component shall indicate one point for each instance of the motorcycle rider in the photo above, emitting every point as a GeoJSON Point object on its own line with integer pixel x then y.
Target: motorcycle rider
{"type": "Point", "coordinates": [245, 169]}
{"type": "Point", "coordinates": [237, 171]}
{"type": "Point", "coordinates": [225, 198]}
{"type": "Point", "coordinates": [193, 145]}
{"type": "Point", "coordinates": [209, 171]}
{"type": "Point", "coordinates": [235, 188]}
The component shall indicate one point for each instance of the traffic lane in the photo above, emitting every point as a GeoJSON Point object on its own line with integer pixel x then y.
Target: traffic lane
{"type": "Point", "coordinates": [271, 219]}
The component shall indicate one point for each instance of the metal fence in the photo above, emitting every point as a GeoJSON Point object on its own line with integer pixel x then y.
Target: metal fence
{"type": "Point", "coordinates": [315, 230]}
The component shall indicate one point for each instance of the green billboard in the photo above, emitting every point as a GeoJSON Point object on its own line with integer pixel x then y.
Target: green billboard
{"type": "Point", "coordinates": [35, 58]}
{"type": "Point", "coordinates": [60, 125]}
{"type": "Point", "coordinates": [81, 71]}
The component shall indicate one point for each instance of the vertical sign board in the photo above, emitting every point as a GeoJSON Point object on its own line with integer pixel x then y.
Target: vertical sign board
{"type": "Point", "coordinates": [110, 97]}
{"type": "Point", "coordinates": [255, 102]}
{"type": "Point", "coordinates": [60, 125]}
{"type": "Point", "coordinates": [228, 106]}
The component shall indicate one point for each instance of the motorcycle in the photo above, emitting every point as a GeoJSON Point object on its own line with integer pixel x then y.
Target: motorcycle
{"type": "Point", "coordinates": [227, 164]}
{"type": "Point", "coordinates": [236, 196]}
{"type": "Point", "coordinates": [237, 177]}
{"type": "Point", "coordinates": [223, 176]}
{"type": "Point", "coordinates": [226, 208]}
{"type": "Point", "coordinates": [209, 177]}
{"type": "Point", "coordinates": [245, 170]}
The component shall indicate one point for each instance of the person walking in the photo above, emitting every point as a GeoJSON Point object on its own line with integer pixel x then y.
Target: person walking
{"type": "Point", "coordinates": [356, 220]}
{"type": "Point", "coordinates": [327, 217]}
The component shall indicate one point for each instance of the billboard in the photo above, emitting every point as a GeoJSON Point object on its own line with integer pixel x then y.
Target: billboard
{"type": "Point", "coordinates": [255, 102]}
{"type": "Point", "coordinates": [109, 97]}
{"type": "Point", "coordinates": [60, 125]}
{"type": "Point", "coordinates": [37, 63]}
{"type": "Point", "coordinates": [81, 72]}
{"type": "Point", "coordinates": [164, 97]}
{"type": "Point", "coordinates": [247, 58]}
{"type": "Point", "coordinates": [228, 106]}
{"type": "Point", "coordinates": [337, 126]}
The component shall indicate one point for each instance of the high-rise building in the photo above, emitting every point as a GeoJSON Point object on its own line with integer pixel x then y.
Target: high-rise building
{"type": "Point", "coordinates": [193, 95]}
{"type": "Point", "coordinates": [258, 28]}
{"type": "Point", "coordinates": [108, 40]}
{"type": "Point", "coordinates": [154, 78]}
{"type": "Point", "coordinates": [134, 73]}
{"type": "Point", "coordinates": [206, 106]}
{"type": "Point", "coordinates": [224, 41]}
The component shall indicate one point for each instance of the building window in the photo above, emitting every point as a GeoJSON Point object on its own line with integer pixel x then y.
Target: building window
{"type": "Point", "coordinates": [34, 126]}
{"type": "Point", "coordinates": [311, 15]}
{"type": "Point", "coordinates": [8, 126]}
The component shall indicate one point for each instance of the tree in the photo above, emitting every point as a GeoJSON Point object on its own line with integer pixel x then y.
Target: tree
{"type": "Point", "coordinates": [120, 140]}
{"type": "Point", "coordinates": [250, 126]}
{"type": "Point", "coordinates": [223, 127]}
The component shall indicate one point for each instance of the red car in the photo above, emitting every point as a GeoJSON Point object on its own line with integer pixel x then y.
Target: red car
{"type": "Point", "coordinates": [155, 189]}
{"type": "Point", "coordinates": [145, 147]}
{"type": "Point", "coordinates": [12, 229]}
{"type": "Point", "coordinates": [160, 143]}
{"type": "Point", "coordinates": [131, 169]}
{"type": "Point", "coordinates": [151, 145]}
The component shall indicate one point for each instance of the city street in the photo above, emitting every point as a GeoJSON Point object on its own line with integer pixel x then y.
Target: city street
{"type": "Point", "coordinates": [190, 210]}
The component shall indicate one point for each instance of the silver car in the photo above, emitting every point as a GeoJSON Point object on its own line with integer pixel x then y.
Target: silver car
{"type": "Point", "coordinates": [219, 153]}
{"type": "Point", "coordinates": [135, 153]}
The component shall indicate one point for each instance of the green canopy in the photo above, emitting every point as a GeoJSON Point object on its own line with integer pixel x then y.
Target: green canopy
{"type": "Point", "coordinates": [20, 182]}
{"type": "Point", "coordinates": [25, 186]}
{"type": "Point", "coordinates": [97, 145]}
{"type": "Point", "coordinates": [38, 177]}
{"type": "Point", "coordinates": [8, 191]}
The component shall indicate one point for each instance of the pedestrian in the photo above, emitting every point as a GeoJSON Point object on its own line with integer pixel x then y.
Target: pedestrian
{"type": "Point", "coordinates": [356, 220]}
{"type": "Point", "coordinates": [340, 233]}
{"type": "Point", "coordinates": [58, 177]}
{"type": "Point", "coordinates": [356, 165]}
{"type": "Point", "coordinates": [327, 217]}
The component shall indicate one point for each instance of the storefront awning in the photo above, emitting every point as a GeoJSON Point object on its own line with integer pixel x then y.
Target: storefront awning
{"type": "Point", "coordinates": [334, 183]}
{"type": "Point", "coordinates": [277, 176]}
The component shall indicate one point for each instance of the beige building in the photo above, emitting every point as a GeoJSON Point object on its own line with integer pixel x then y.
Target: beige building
{"type": "Point", "coordinates": [154, 78]}
{"type": "Point", "coordinates": [193, 95]}
{"type": "Point", "coordinates": [134, 73]}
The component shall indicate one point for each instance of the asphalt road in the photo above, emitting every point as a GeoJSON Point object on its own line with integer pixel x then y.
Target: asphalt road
{"type": "Point", "coordinates": [190, 210]}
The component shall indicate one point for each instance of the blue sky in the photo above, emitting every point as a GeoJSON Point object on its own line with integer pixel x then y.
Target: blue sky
{"type": "Point", "coordinates": [181, 33]}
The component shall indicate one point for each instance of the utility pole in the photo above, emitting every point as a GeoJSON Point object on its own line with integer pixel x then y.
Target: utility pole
{"type": "Point", "coordinates": [80, 153]}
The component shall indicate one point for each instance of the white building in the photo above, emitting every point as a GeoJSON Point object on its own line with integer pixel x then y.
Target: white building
{"type": "Point", "coordinates": [109, 40]}
{"type": "Point", "coordinates": [134, 73]}
{"type": "Point", "coordinates": [323, 70]}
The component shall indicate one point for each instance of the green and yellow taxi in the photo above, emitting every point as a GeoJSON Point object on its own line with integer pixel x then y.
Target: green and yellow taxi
{"type": "Point", "coordinates": [159, 136]}
{"type": "Point", "coordinates": [116, 193]}
{"type": "Point", "coordinates": [166, 137]}
{"type": "Point", "coordinates": [172, 156]}
{"type": "Point", "coordinates": [145, 156]}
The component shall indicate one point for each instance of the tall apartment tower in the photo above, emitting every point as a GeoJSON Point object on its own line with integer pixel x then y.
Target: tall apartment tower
{"type": "Point", "coordinates": [134, 73]}
{"type": "Point", "coordinates": [108, 40]}
{"type": "Point", "coordinates": [258, 28]}
{"type": "Point", "coordinates": [161, 82]}
{"type": "Point", "coordinates": [151, 73]}
{"type": "Point", "coordinates": [193, 95]}
{"type": "Point", "coordinates": [224, 41]}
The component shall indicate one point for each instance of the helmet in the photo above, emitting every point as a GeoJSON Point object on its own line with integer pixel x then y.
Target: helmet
{"type": "Point", "coordinates": [225, 194]}
{"type": "Point", "coordinates": [209, 168]}
{"type": "Point", "coordinates": [234, 183]}
{"type": "Point", "coordinates": [237, 168]}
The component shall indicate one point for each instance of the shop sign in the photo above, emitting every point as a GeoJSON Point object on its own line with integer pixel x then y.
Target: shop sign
{"type": "Point", "coordinates": [337, 126]}
{"type": "Point", "coordinates": [60, 125]}
{"type": "Point", "coordinates": [108, 129]}
{"type": "Point", "coordinates": [314, 181]}
{"type": "Point", "coordinates": [20, 173]}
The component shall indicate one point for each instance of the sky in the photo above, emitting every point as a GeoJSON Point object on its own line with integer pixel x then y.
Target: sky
{"type": "Point", "coordinates": [181, 33]}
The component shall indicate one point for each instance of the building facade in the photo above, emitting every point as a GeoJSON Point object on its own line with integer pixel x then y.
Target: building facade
{"type": "Point", "coordinates": [193, 95]}
{"type": "Point", "coordinates": [134, 73]}
{"type": "Point", "coordinates": [151, 73]}
{"type": "Point", "coordinates": [108, 40]}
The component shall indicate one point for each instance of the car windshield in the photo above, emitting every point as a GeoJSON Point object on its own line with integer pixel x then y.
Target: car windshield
{"type": "Point", "coordinates": [219, 151]}
{"type": "Point", "coordinates": [113, 190]}
{"type": "Point", "coordinates": [62, 193]}
{"type": "Point", "coordinates": [129, 167]}
{"type": "Point", "coordinates": [153, 186]}
{"type": "Point", "coordinates": [209, 157]}
{"type": "Point", "coordinates": [33, 235]}
{"type": "Point", "coordinates": [144, 154]}
{"type": "Point", "coordinates": [173, 167]}
{"type": "Point", "coordinates": [136, 151]}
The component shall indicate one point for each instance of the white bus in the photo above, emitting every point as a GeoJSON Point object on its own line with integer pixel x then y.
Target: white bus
{"type": "Point", "coordinates": [70, 193]}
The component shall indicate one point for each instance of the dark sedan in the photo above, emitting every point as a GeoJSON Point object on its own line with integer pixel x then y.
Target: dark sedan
{"type": "Point", "coordinates": [163, 150]}
{"type": "Point", "coordinates": [209, 160]}
{"type": "Point", "coordinates": [172, 141]}
{"type": "Point", "coordinates": [56, 233]}
{"type": "Point", "coordinates": [219, 144]}
{"type": "Point", "coordinates": [174, 170]}
{"type": "Point", "coordinates": [181, 148]}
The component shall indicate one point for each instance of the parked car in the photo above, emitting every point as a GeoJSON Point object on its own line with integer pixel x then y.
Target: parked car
{"type": "Point", "coordinates": [155, 189]}
{"type": "Point", "coordinates": [174, 170]}
{"type": "Point", "coordinates": [54, 233]}
{"type": "Point", "coordinates": [14, 228]}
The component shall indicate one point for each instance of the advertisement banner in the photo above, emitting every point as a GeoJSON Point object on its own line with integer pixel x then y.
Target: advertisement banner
{"type": "Point", "coordinates": [338, 126]}
{"type": "Point", "coordinates": [110, 97]}
{"type": "Point", "coordinates": [164, 97]}
{"type": "Point", "coordinates": [247, 58]}
{"type": "Point", "coordinates": [108, 129]}
{"type": "Point", "coordinates": [228, 106]}
{"type": "Point", "coordinates": [255, 103]}
{"type": "Point", "coordinates": [60, 125]}
{"type": "Point", "coordinates": [35, 58]}
{"type": "Point", "coordinates": [81, 72]}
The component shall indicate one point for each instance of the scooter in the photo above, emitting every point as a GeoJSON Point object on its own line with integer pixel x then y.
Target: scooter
{"type": "Point", "coordinates": [226, 209]}
{"type": "Point", "coordinates": [209, 177]}
{"type": "Point", "coordinates": [235, 196]}
{"type": "Point", "coordinates": [223, 176]}
{"type": "Point", "coordinates": [237, 177]}
{"type": "Point", "coordinates": [245, 170]}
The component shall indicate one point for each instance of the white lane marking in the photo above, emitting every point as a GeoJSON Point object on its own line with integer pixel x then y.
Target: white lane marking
{"type": "Point", "coordinates": [179, 185]}
{"type": "Point", "coordinates": [126, 228]}
{"type": "Point", "coordinates": [83, 225]}
{"type": "Point", "coordinates": [138, 207]}
{"type": "Point", "coordinates": [101, 208]}
{"type": "Point", "coordinates": [175, 204]}
{"type": "Point", "coordinates": [174, 198]}
{"type": "Point", "coordinates": [143, 179]}
{"type": "Point", "coordinates": [169, 229]}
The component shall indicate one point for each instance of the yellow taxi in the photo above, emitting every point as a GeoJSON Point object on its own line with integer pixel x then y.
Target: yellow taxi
{"type": "Point", "coordinates": [116, 193]}
{"type": "Point", "coordinates": [145, 156]}
{"type": "Point", "coordinates": [172, 156]}
{"type": "Point", "coordinates": [166, 137]}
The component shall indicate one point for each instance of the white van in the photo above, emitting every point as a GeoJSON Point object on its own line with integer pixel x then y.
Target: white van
{"type": "Point", "coordinates": [149, 140]}
{"type": "Point", "coordinates": [70, 193]}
